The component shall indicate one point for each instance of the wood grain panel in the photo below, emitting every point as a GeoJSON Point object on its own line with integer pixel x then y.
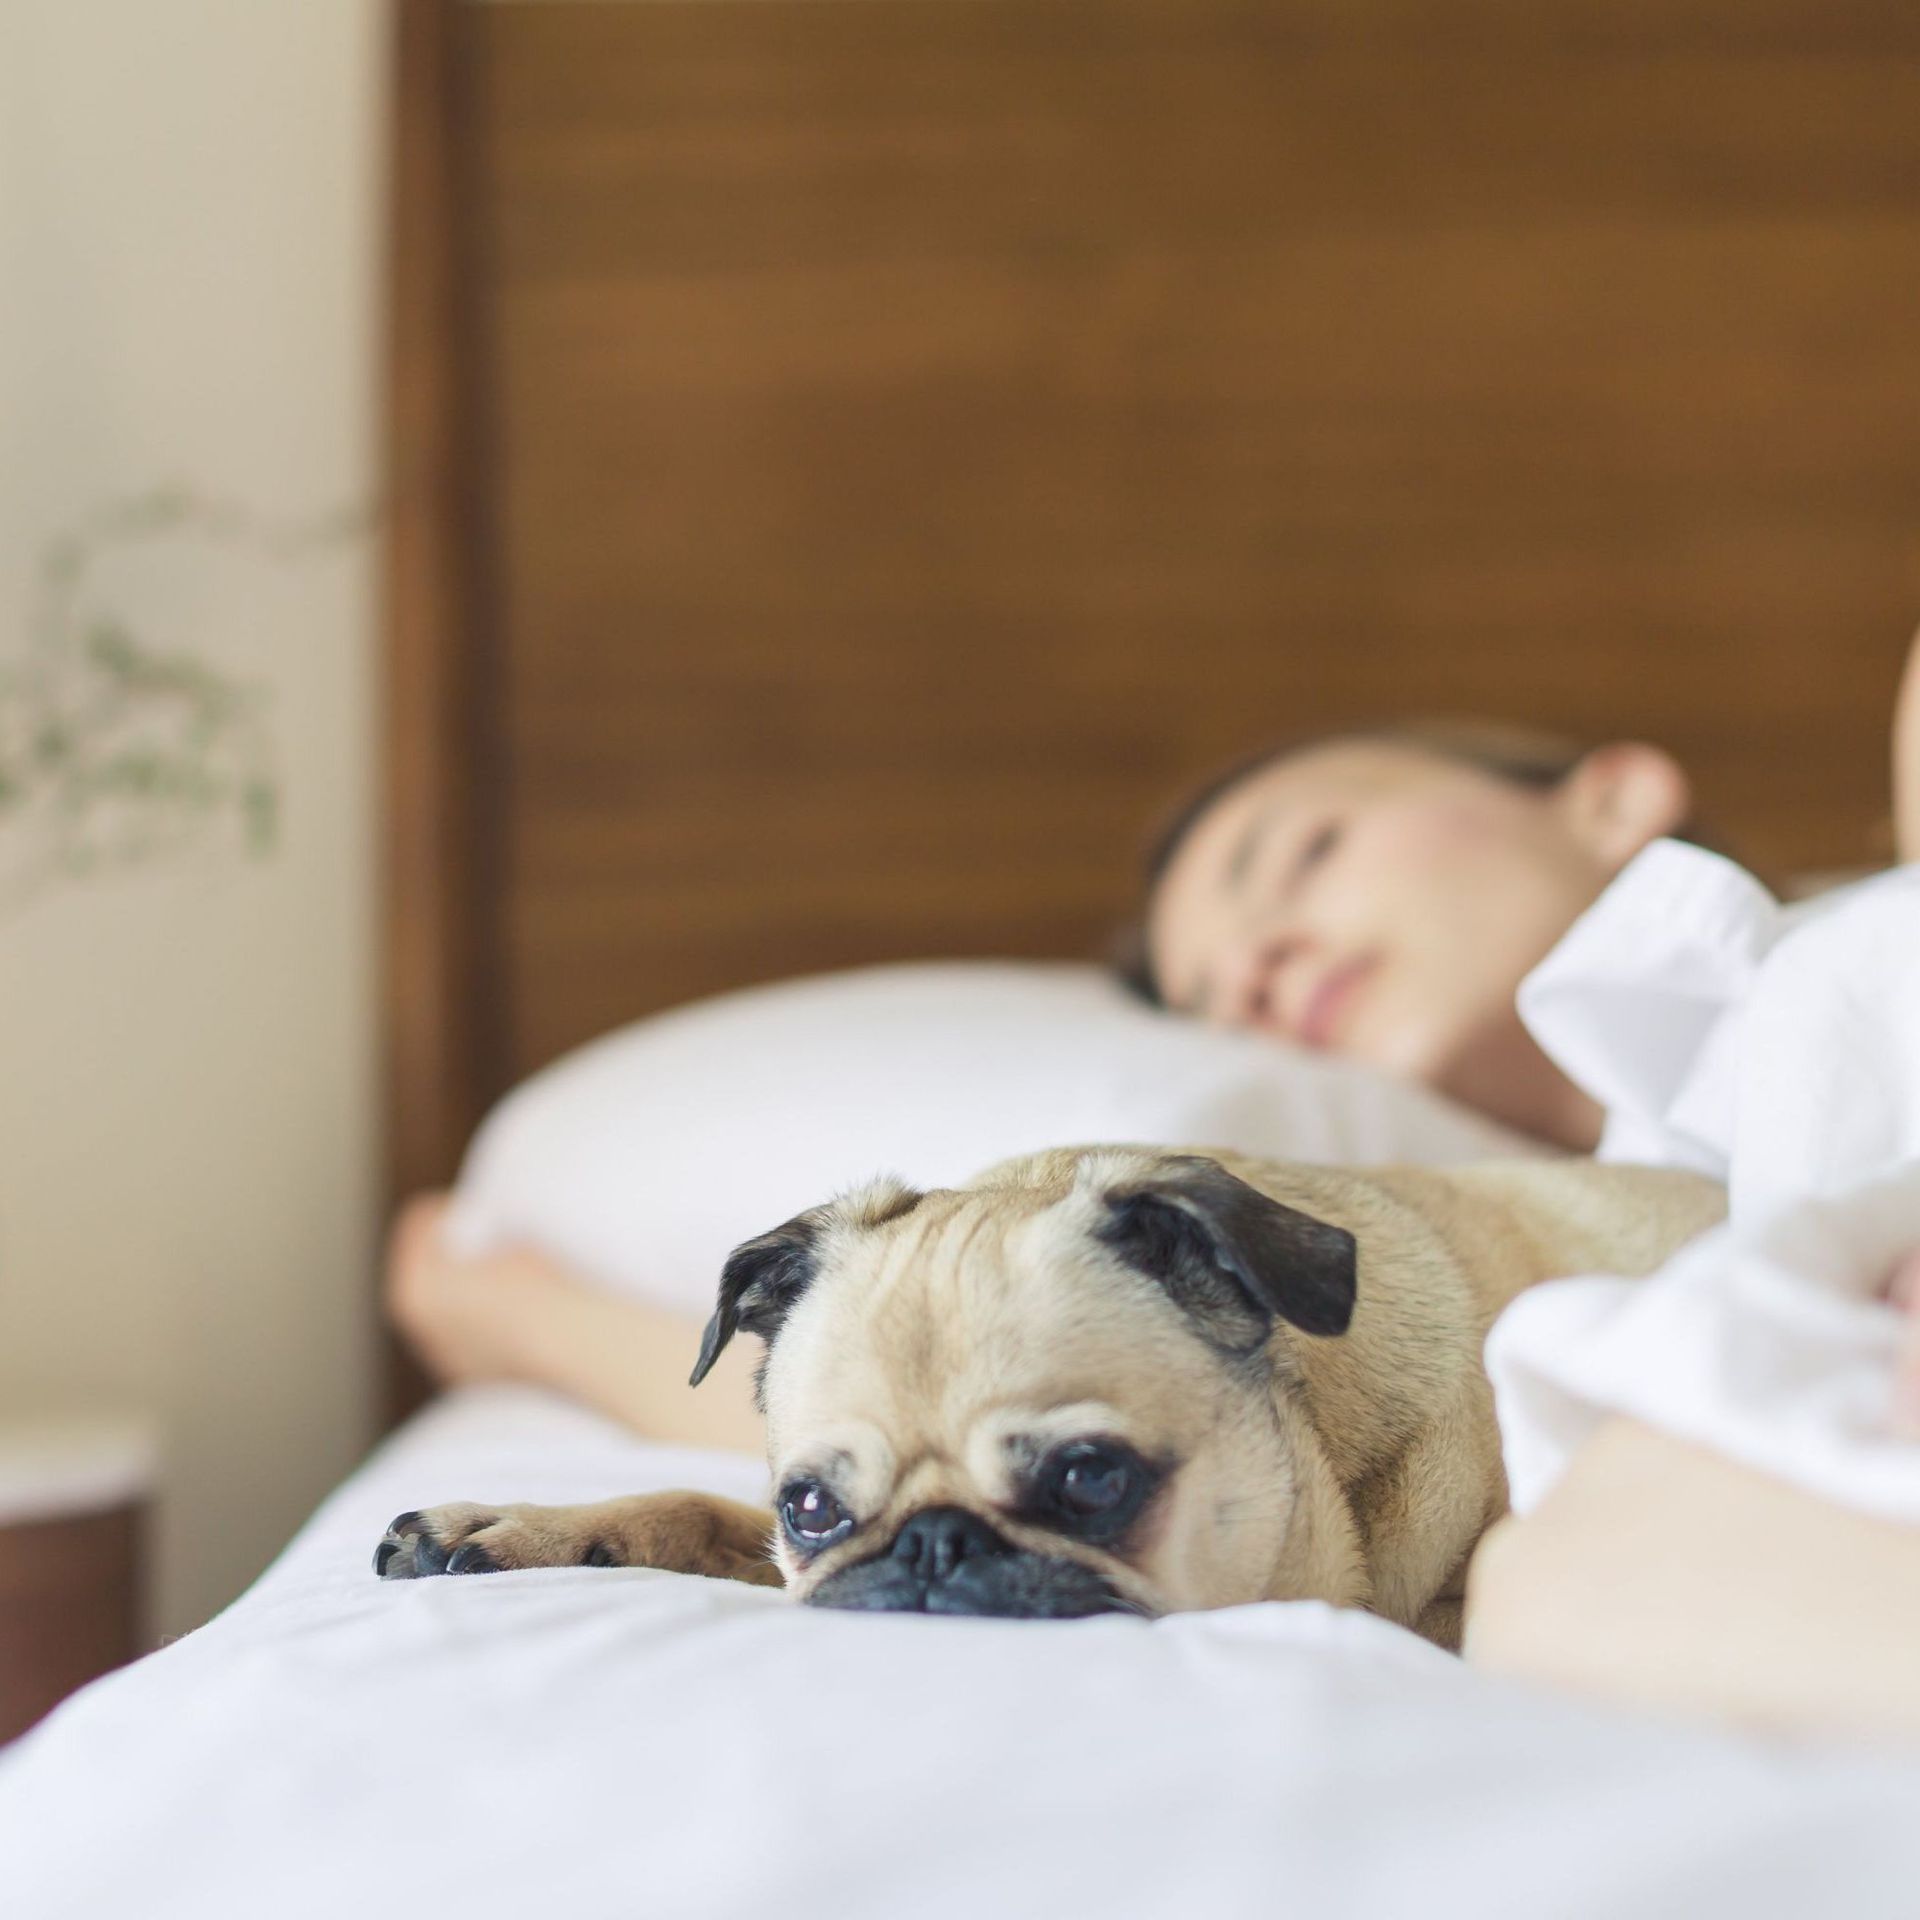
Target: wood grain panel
{"type": "Point", "coordinates": [439, 905]}
{"type": "Point", "coordinates": [927, 436]}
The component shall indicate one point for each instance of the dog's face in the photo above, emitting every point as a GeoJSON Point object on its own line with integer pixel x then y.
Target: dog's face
{"type": "Point", "coordinates": [1054, 1397]}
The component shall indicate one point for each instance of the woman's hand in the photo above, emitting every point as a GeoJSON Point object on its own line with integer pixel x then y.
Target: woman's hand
{"type": "Point", "coordinates": [467, 1318]}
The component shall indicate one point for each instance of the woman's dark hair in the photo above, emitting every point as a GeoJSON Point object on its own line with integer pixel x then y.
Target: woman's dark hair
{"type": "Point", "coordinates": [1523, 755]}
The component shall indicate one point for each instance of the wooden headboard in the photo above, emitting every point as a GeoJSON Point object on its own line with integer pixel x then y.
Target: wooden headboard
{"type": "Point", "coordinates": [854, 463]}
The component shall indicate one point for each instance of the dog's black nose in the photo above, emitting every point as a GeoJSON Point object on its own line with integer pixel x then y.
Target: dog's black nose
{"type": "Point", "coordinates": [937, 1539]}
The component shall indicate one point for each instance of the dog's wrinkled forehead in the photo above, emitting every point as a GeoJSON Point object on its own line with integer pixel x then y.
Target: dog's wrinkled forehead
{"type": "Point", "coordinates": [976, 1294]}
{"type": "Point", "coordinates": [1051, 1260]}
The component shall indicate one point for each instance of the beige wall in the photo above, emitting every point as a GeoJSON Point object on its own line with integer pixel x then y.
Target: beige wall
{"type": "Point", "coordinates": [188, 253]}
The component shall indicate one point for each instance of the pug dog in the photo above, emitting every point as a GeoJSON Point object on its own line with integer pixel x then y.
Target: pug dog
{"type": "Point", "coordinates": [1117, 1379]}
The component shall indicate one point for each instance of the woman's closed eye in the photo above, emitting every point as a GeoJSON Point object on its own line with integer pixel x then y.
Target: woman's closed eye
{"type": "Point", "coordinates": [1309, 854]}
{"type": "Point", "coordinates": [1320, 843]}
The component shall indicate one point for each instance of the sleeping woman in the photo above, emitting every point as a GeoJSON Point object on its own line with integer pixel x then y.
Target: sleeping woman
{"type": "Point", "coordinates": [1380, 897]}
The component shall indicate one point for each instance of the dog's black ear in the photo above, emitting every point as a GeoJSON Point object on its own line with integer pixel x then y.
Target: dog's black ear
{"type": "Point", "coordinates": [764, 1276]}
{"type": "Point", "coordinates": [759, 1284]}
{"type": "Point", "coordinates": [1230, 1256]}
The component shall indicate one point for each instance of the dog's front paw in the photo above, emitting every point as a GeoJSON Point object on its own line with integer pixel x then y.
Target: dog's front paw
{"type": "Point", "coordinates": [465, 1537]}
{"type": "Point", "coordinates": [677, 1532]}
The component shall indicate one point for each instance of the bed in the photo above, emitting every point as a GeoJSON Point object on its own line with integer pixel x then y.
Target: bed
{"type": "Point", "coordinates": [622, 1743]}
{"type": "Point", "coordinates": [851, 466]}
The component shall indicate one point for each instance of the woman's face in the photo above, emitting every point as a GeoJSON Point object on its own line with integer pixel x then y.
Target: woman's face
{"type": "Point", "coordinates": [1381, 901]}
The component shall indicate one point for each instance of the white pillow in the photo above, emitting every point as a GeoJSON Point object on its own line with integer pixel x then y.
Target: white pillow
{"type": "Point", "coordinates": [645, 1157]}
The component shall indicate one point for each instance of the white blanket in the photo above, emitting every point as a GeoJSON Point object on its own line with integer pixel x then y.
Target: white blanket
{"type": "Point", "coordinates": [1778, 1049]}
{"type": "Point", "coordinates": [624, 1744]}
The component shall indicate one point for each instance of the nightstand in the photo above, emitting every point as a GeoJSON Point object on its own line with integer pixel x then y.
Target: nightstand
{"type": "Point", "coordinates": [74, 1496]}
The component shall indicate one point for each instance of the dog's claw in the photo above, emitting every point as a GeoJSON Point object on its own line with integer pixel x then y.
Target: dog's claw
{"type": "Point", "coordinates": [404, 1556]}
{"type": "Point", "coordinates": [417, 1545]}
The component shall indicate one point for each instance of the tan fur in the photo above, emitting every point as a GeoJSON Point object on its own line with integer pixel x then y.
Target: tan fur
{"type": "Point", "coordinates": [678, 1532]}
{"type": "Point", "coordinates": [944, 1342]}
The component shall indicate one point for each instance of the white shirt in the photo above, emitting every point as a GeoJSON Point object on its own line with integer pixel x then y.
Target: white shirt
{"type": "Point", "coordinates": [1778, 1049]}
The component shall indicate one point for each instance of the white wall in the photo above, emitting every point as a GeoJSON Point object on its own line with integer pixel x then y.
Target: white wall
{"type": "Point", "coordinates": [189, 246]}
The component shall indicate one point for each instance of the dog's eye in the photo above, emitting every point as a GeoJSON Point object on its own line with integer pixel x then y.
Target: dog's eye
{"type": "Point", "coordinates": [812, 1515]}
{"type": "Point", "coordinates": [1090, 1481]}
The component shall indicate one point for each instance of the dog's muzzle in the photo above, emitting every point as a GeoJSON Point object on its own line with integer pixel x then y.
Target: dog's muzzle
{"type": "Point", "coordinates": [947, 1560]}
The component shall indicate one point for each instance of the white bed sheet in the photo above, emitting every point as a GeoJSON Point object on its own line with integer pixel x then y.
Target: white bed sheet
{"type": "Point", "coordinates": [624, 1743]}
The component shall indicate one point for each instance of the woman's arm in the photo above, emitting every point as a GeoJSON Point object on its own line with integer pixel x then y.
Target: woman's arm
{"type": "Point", "coordinates": [1660, 1575]}
{"type": "Point", "coordinates": [1906, 762]}
{"type": "Point", "coordinates": [520, 1316]}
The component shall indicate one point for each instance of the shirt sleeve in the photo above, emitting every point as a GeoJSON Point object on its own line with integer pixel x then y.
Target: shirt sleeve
{"type": "Point", "coordinates": [1640, 1003]}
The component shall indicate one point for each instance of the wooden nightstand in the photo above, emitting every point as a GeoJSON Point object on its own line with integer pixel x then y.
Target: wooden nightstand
{"type": "Point", "coordinates": [73, 1506]}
